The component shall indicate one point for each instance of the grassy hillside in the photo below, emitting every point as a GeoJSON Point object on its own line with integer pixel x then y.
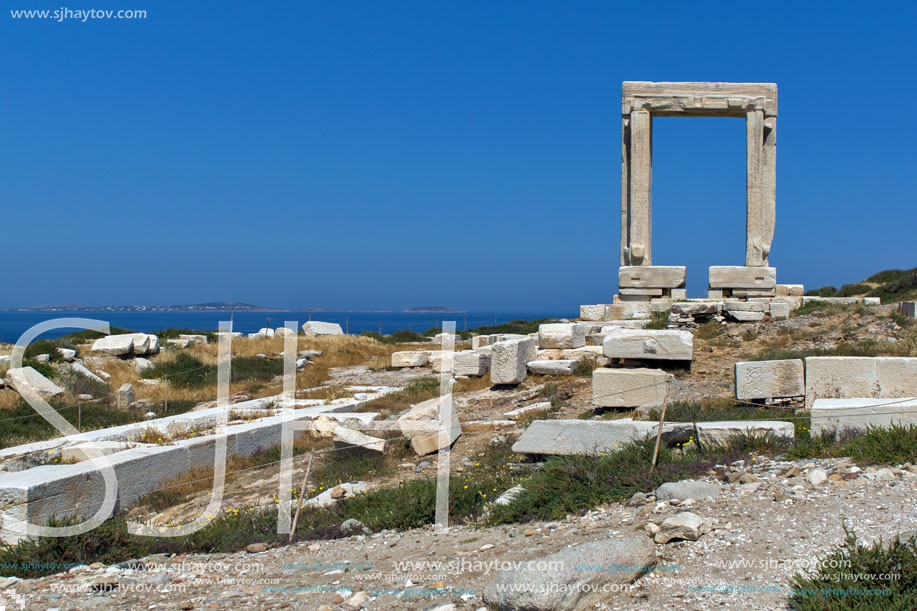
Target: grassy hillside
{"type": "Point", "coordinates": [890, 285]}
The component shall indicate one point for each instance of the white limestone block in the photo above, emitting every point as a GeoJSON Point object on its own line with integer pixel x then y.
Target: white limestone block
{"type": "Point", "coordinates": [409, 358]}
{"type": "Point", "coordinates": [420, 425]}
{"type": "Point", "coordinates": [897, 376]}
{"type": "Point", "coordinates": [124, 399]}
{"type": "Point", "coordinates": [651, 276]}
{"type": "Point", "coordinates": [592, 312]}
{"type": "Point", "coordinates": [479, 341]}
{"type": "Point", "coordinates": [742, 277]}
{"type": "Point", "coordinates": [658, 344]}
{"type": "Point", "coordinates": [354, 443]}
{"type": "Point", "coordinates": [314, 328]}
{"type": "Point", "coordinates": [780, 310]}
{"type": "Point", "coordinates": [836, 415]}
{"type": "Point", "coordinates": [558, 367]}
{"type": "Point", "coordinates": [561, 335]}
{"type": "Point", "coordinates": [790, 290]}
{"type": "Point", "coordinates": [630, 388]}
{"type": "Point", "coordinates": [832, 377]}
{"type": "Point", "coordinates": [78, 368]}
{"type": "Point", "coordinates": [769, 379]}
{"type": "Point", "coordinates": [521, 412]}
{"type": "Point", "coordinates": [114, 345]}
{"type": "Point", "coordinates": [509, 360]}
{"type": "Point", "coordinates": [569, 437]}
{"type": "Point", "coordinates": [719, 433]}
{"type": "Point", "coordinates": [67, 354]}
{"type": "Point", "coordinates": [471, 363]}
{"type": "Point", "coordinates": [27, 378]}
{"type": "Point", "coordinates": [744, 316]}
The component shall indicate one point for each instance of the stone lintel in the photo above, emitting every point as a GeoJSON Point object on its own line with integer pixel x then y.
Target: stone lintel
{"type": "Point", "coordinates": [704, 99]}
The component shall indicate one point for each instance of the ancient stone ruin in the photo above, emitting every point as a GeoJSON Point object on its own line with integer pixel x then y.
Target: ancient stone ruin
{"type": "Point", "coordinates": [641, 101]}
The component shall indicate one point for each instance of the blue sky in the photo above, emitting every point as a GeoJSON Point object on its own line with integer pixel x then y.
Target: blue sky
{"type": "Point", "coordinates": [386, 155]}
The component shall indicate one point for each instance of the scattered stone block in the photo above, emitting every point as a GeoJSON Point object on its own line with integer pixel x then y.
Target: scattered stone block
{"type": "Point", "coordinates": [558, 367]}
{"type": "Point", "coordinates": [656, 344]}
{"type": "Point", "coordinates": [411, 358]}
{"type": "Point", "coordinates": [561, 335]}
{"type": "Point", "coordinates": [790, 290]}
{"type": "Point", "coordinates": [333, 495]}
{"type": "Point", "coordinates": [831, 377]}
{"type": "Point", "coordinates": [591, 352]}
{"type": "Point", "coordinates": [125, 397]}
{"type": "Point", "coordinates": [592, 312]}
{"type": "Point", "coordinates": [479, 341]}
{"type": "Point", "coordinates": [687, 489]}
{"type": "Point", "coordinates": [780, 310]}
{"type": "Point", "coordinates": [837, 415]}
{"type": "Point", "coordinates": [509, 360]}
{"type": "Point", "coordinates": [769, 379]}
{"type": "Point", "coordinates": [697, 308]}
{"type": "Point", "coordinates": [314, 328]}
{"type": "Point", "coordinates": [114, 345]}
{"type": "Point", "coordinates": [630, 388]}
{"type": "Point", "coordinates": [79, 369]}
{"type": "Point", "coordinates": [570, 437]}
{"type": "Point", "coordinates": [194, 340]}
{"type": "Point", "coordinates": [872, 301]}
{"type": "Point", "coordinates": [742, 277]}
{"type": "Point", "coordinates": [354, 443]}
{"type": "Point", "coordinates": [126, 344]}
{"type": "Point", "coordinates": [720, 432]}
{"type": "Point", "coordinates": [684, 525]}
{"type": "Point", "coordinates": [25, 378]}
{"type": "Point", "coordinates": [427, 413]}
{"type": "Point", "coordinates": [141, 364]}
{"type": "Point", "coordinates": [521, 412]}
{"type": "Point", "coordinates": [558, 581]}
{"type": "Point", "coordinates": [471, 363]}
{"type": "Point", "coordinates": [67, 354]}
{"type": "Point", "coordinates": [897, 376]}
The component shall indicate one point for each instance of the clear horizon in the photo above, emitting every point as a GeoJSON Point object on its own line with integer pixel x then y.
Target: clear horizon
{"type": "Point", "coordinates": [366, 156]}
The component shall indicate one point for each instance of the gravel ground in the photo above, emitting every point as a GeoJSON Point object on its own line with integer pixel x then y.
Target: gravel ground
{"type": "Point", "coordinates": [760, 532]}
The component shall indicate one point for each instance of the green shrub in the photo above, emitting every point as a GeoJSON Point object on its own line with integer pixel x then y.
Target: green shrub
{"type": "Point", "coordinates": [572, 484]}
{"type": "Point", "coordinates": [185, 371]}
{"type": "Point", "coordinates": [520, 327]}
{"type": "Point", "coordinates": [825, 291]}
{"type": "Point", "coordinates": [659, 320]}
{"type": "Point", "coordinates": [890, 275]}
{"type": "Point", "coordinates": [44, 369]}
{"type": "Point", "coordinates": [877, 577]}
{"type": "Point", "coordinates": [849, 290]}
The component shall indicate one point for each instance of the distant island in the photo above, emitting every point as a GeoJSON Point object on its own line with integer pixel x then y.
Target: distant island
{"type": "Point", "coordinates": [431, 310]}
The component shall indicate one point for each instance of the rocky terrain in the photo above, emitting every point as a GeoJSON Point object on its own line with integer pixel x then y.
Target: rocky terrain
{"type": "Point", "coordinates": [732, 539]}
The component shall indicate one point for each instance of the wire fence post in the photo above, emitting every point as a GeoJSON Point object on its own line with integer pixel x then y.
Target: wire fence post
{"type": "Point", "coordinates": [302, 494]}
{"type": "Point", "coordinates": [167, 392]}
{"type": "Point", "coordinates": [79, 416]}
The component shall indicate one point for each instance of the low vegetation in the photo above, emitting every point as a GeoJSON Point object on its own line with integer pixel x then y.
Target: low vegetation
{"type": "Point", "coordinates": [877, 577]}
{"type": "Point", "coordinates": [890, 285]}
